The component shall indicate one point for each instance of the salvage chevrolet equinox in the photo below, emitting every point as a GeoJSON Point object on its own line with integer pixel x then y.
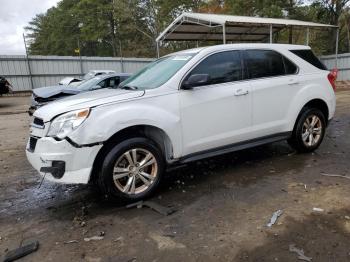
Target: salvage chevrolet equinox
{"type": "Point", "coordinates": [183, 107]}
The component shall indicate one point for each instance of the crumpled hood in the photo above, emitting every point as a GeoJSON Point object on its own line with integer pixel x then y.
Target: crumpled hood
{"type": "Point", "coordinates": [85, 100]}
{"type": "Point", "coordinates": [50, 91]}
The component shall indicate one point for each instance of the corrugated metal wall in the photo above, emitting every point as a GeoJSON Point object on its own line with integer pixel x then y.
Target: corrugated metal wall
{"type": "Point", "coordinates": [49, 70]}
{"type": "Point", "coordinates": [343, 65]}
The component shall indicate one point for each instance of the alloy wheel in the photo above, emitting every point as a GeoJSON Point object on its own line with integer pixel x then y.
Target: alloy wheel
{"type": "Point", "coordinates": [312, 130]}
{"type": "Point", "coordinates": [135, 171]}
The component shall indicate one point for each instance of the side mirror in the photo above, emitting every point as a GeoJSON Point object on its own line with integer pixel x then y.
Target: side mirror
{"type": "Point", "coordinates": [196, 80]}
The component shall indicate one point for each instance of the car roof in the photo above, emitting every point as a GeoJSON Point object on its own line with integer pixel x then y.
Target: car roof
{"type": "Point", "coordinates": [243, 46]}
{"type": "Point", "coordinates": [111, 75]}
{"type": "Point", "coordinates": [100, 71]}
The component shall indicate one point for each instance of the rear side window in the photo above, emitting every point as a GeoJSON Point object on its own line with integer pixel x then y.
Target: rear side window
{"type": "Point", "coordinates": [268, 63]}
{"type": "Point", "coordinates": [309, 57]}
{"type": "Point", "coordinates": [221, 67]}
{"type": "Point", "coordinates": [289, 67]}
{"type": "Point", "coordinates": [264, 63]}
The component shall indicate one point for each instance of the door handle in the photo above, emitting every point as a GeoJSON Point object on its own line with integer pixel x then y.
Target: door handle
{"type": "Point", "coordinates": [241, 92]}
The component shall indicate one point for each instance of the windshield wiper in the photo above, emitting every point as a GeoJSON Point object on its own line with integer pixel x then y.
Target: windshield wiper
{"type": "Point", "coordinates": [126, 87]}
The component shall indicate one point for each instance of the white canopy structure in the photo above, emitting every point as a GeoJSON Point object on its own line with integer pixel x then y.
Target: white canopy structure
{"type": "Point", "coordinates": [214, 27]}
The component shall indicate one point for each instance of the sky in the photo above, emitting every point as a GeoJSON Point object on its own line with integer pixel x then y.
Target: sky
{"type": "Point", "coordinates": [14, 16]}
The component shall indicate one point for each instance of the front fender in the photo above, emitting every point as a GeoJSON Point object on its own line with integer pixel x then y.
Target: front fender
{"type": "Point", "coordinates": [105, 121]}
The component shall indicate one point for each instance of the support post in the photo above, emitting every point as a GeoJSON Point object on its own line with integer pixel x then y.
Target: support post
{"type": "Point", "coordinates": [80, 59]}
{"type": "Point", "coordinates": [337, 48]}
{"type": "Point", "coordinates": [271, 34]}
{"type": "Point", "coordinates": [121, 56]}
{"type": "Point", "coordinates": [28, 63]}
{"type": "Point", "coordinates": [307, 36]}
{"type": "Point", "coordinates": [224, 34]}
{"type": "Point", "coordinates": [157, 43]}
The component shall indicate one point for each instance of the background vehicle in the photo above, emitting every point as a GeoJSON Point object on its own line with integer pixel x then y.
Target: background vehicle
{"type": "Point", "coordinates": [184, 107]}
{"type": "Point", "coordinates": [5, 86]}
{"type": "Point", "coordinates": [43, 95]}
{"type": "Point", "coordinates": [89, 75]}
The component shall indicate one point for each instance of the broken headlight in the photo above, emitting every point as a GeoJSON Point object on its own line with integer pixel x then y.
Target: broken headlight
{"type": "Point", "coordinates": [64, 124]}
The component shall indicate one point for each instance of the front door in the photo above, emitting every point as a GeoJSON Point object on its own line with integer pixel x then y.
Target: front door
{"type": "Point", "coordinates": [218, 113]}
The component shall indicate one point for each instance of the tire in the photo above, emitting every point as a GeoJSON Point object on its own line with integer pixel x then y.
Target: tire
{"type": "Point", "coordinates": [148, 168]}
{"type": "Point", "coordinates": [304, 127]}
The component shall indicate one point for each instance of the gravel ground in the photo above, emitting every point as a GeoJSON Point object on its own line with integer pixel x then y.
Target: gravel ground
{"type": "Point", "coordinates": [223, 205]}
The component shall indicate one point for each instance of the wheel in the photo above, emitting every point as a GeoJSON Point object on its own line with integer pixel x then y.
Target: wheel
{"type": "Point", "coordinates": [132, 170]}
{"type": "Point", "coordinates": [309, 130]}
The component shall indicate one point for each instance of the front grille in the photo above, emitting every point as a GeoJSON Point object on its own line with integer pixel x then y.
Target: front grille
{"type": "Point", "coordinates": [32, 143]}
{"type": "Point", "coordinates": [38, 121]}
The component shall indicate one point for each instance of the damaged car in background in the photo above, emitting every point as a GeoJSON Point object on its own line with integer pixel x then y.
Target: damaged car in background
{"type": "Point", "coordinates": [44, 95]}
{"type": "Point", "coordinates": [89, 75]}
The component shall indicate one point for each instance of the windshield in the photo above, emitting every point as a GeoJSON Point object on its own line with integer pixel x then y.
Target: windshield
{"type": "Point", "coordinates": [157, 73]}
{"type": "Point", "coordinates": [88, 75]}
{"type": "Point", "coordinates": [88, 84]}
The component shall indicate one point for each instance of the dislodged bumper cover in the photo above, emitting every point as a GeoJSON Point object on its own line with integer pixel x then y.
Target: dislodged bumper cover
{"type": "Point", "coordinates": [78, 161]}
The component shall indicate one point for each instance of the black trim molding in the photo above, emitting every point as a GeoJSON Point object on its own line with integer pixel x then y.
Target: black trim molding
{"type": "Point", "coordinates": [234, 147]}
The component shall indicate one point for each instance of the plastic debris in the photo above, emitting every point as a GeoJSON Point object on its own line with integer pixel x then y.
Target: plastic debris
{"type": "Point", "coordinates": [94, 238]}
{"type": "Point", "coordinates": [22, 251]}
{"type": "Point", "coordinates": [335, 175]}
{"type": "Point", "coordinates": [299, 252]}
{"type": "Point", "coordinates": [152, 205]}
{"type": "Point", "coordinates": [317, 209]}
{"type": "Point", "coordinates": [274, 218]}
{"type": "Point", "coordinates": [71, 242]}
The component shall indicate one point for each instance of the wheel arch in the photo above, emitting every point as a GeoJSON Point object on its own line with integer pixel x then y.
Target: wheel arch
{"type": "Point", "coordinates": [314, 103]}
{"type": "Point", "coordinates": [319, 104]}
{"type": "Point", "coordinates": [156, 134]}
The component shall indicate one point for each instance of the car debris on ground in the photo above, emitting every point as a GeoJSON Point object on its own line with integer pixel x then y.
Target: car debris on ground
{"type": "Point", "coordinates": [22, 251]}
{"type": "Point", "coordinates": [274, 217]}
{"type": "Point", "coordinates": [94, 238]}
{"type": "Point", "coordinates": [71, 242]}
{"type": "Point", "coordinates": [335, 175]}
{"type": "Point", "coordinates": [299, 252]}
{"type": "Point", "coordinates": [166, 211]}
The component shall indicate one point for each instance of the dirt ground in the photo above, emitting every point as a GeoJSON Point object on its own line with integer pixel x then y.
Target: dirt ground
{"type": "Point", "coordinates": [223, 205]}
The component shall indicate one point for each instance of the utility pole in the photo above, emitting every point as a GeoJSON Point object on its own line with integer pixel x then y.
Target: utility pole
{"type": "Point", "coordinates": [28, 63]}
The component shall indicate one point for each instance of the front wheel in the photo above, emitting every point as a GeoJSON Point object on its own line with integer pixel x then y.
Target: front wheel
{"type": "Point", "coordinates": [309, 130]}
{"type": "Point", "coordinates": [132, 170]}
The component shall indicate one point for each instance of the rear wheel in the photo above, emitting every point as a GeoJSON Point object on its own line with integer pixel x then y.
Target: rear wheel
{"type": "Point", "coordinates": [309, 130]}
{"type": "Point", "coordinates": [132, 170]}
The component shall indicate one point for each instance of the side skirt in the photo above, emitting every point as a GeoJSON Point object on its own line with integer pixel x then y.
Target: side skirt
{"type": "Point", "coordinates": [230, 148]}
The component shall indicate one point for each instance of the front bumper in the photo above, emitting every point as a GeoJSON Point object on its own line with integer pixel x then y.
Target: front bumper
{"type": "Point", "coordinates": [73, 163]}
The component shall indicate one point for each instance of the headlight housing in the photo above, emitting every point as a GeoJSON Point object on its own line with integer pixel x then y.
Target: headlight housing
{"type": "Point", "coordinates": [64, 124]}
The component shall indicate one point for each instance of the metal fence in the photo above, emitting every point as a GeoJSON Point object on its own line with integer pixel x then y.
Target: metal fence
{"type": "Point", "coordinates": [37, 71]}
{"type": "Point", "coordinates": [343, 65]}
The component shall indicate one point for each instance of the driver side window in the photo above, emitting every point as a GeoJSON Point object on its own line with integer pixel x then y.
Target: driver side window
{"type": "Point", "coordinates": [221, 67]}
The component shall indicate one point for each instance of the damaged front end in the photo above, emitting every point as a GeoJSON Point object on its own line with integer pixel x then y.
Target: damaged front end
{"type": "Point", "coordinates": [37, 101]}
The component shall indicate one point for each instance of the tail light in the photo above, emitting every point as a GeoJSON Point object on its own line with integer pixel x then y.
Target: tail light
{"type": "Point", "coordinates": [332, 77]}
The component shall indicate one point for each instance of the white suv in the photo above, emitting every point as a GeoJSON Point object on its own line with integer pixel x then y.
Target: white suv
{"type": "Point", "coordinates": [183, 107]}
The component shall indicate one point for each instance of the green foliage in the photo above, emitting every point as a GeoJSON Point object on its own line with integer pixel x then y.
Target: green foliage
{"type": "Point", "coordinates": [129, 27]}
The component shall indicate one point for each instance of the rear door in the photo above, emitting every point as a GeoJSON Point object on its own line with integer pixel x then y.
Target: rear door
{"type": "Point", "coordinates": [274, 82]}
